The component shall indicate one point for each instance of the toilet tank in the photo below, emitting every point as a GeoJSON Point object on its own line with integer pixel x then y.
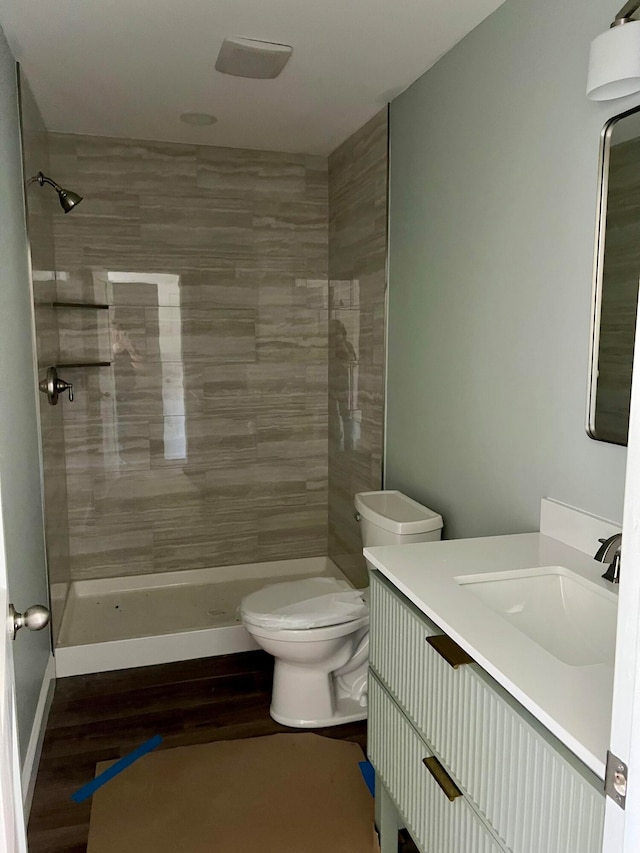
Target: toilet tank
{"type": "Point", "coordinates": [391, 518]}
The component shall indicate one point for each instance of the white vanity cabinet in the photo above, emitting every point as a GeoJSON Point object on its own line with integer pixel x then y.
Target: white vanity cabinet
{"type": "Point", "coordinates": [518, 788]}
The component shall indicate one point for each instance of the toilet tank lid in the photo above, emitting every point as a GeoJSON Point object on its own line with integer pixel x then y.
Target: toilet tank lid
{"type": "Point", "coordinates": [397, 513]}
{"type": "Point", "coordinates": [308, 603]}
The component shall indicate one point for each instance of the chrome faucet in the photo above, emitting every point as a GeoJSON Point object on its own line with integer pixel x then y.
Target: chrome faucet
{"type": "Point", "coordinates": [609, 552]}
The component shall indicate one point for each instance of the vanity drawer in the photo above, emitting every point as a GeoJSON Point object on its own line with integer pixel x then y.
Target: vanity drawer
{"type": "Point", "coordinates": [437, 824]}
{"type": "Point", "coordinates": [534, 793]}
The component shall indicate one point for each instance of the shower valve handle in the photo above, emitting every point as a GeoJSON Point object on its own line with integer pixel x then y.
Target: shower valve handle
{"type": "Point", "coordinates": [62, 386]}
{"type": "Point", "coordinates": [53, 386]}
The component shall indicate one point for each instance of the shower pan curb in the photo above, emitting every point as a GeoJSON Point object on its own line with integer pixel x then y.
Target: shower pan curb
{"type": "Point", "coordinates": [148, 651]}
{"type": "Point", "coordinates": [178, 615]}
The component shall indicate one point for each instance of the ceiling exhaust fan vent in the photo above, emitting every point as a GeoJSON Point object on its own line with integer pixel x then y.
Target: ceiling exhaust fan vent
{"type": "Point", "coordinates": [261, 60]}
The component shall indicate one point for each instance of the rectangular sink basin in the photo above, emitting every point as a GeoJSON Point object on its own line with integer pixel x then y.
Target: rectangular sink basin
{"type": "Point", "coordinates": [570, 617]}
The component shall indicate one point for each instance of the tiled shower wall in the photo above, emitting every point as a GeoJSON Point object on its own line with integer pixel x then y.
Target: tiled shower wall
{"type": "Point", "coordinates": [357, 280]}
{"type": "Point", "coordinates": [205, 441]}
{"type": "Point", "coordinates": [42, 208]}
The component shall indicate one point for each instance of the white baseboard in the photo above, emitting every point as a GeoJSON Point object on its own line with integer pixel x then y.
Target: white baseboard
{"type": "Point", "coordinates": [34, 747]}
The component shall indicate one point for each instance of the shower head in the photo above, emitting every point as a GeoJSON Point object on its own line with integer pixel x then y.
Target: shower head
{"type": "Point", "coordinates": [68, 199]}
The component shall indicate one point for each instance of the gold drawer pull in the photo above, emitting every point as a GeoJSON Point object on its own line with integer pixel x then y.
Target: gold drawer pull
{"type": "Point", "coordinates": [450, 651]}
{"type": "Point", "coordinates": [442, 777]}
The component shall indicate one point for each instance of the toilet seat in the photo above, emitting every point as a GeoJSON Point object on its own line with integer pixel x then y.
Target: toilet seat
{"type": "Point", "coordinates": [309, 635]}
{"type": "Point", "coordinates": [304, 604]}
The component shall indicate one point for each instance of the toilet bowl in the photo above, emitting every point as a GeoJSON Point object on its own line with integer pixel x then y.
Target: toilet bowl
{"type": "Point", "coordinates": [317, 629]}
{"type": "Point", "coordinates": [318, 632]}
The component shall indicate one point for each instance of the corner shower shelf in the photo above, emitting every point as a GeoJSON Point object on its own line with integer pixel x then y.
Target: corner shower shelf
{"type": "Point", "coordinates": [80, 305]}
{"type": "Point", "coordinates": [84, 364]}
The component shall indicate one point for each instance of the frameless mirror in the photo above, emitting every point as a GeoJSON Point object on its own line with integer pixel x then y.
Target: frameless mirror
{"type": "Point", "coordinates": [616, 275]}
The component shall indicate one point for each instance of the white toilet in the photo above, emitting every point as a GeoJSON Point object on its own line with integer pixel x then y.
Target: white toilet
{"type": "Point", "coordinates": [317, 629]}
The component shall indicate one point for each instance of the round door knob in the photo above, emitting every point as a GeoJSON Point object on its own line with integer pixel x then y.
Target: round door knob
{"type": "Point", "coordinates": [35, 618]}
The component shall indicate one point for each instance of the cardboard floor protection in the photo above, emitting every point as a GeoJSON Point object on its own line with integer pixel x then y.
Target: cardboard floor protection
{"type": "Point", "coordinates": [286, 793]}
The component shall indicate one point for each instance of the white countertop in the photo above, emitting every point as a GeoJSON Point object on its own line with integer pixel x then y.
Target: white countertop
{"type": "Point", "coordinates": [573, 702]}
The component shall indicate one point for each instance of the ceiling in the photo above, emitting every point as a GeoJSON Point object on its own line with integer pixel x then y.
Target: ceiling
{"type": "Point", "coordinates": [129, 68]}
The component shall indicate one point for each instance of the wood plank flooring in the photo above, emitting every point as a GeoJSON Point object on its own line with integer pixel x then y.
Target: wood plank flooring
{"type": "Point", "coordinates": [107, 715]}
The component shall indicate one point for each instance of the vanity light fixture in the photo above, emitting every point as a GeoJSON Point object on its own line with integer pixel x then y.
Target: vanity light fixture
{"type": "Point", "coordinates": [614, 61]}
{"type": "Point", "coordinates": [68, 199]}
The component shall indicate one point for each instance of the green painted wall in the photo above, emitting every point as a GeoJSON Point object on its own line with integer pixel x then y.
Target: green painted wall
{"type": "Point", "coordinates": [494, 156]}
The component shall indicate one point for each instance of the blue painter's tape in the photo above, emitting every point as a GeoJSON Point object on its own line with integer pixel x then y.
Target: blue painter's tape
{"type": "Point", "coordinates": [369, 776]}
{"type": "Point", "coordinates": [89, 789]}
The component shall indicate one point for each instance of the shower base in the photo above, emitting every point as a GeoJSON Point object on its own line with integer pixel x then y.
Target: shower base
{"type": "Point", "coordinates": [124, 622]}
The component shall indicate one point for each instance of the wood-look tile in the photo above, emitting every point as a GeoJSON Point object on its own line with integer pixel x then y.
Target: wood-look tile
{"type": "Point", "coordinates": [139, 294]}
{"type": "Point", "coordinates": [111, 209]}
{"type": "Point", "coordinates": [276, 288]}
{"type": "Point", "coordinates": [297, 334]}
{"type": "Point", "coordinates": [99, 717]}
{"type": "Point", "coordinates": [230, 172]}
{"type": "Point", "coordinates": [317, 473]}
{"type": "Point", "coordinates": [316, 183]}
{"type": "Point", "coordinates": [231, 487]}
{"type": "Point", "coordinates": [112, 551]}
{"type": "Point", "coordinates": [357, 250]}
{"type": "Point", "coordinates": [138, 494]}
{"type": "Point", "coordinates": [80, 508]}
{"type": "Point", "coordinates": [205, 545]}
{"type": "Point", "coordinates": [242, 341]}
{"type": "Point", "coordinates": [288, 229]}
{"type": "Point", "coordinates": [290, 436]}
{"type": "Point", "coordinates": [192, 334]}
{"type": "Point", "coordinates": [278, 385]}
{"type": "Point", "coordinates": [213, 289]}
{"type": "Point", "coordinates": [96, 444]}
{"type": "Point", "coordinates": [197, 222]}
{"type": "Point", "coordinates": [81, 284]}
{"type": "Point", "coordinates": [209, 442]}
{"type": "Point", "coordinates": [83, 336]}
{"type": "Point", "coordinates": [301, 531]}
{"type": "Point", "coordinates": [47, 341]}
{"type": "Point", "coordinates": [225, 388]}
{"type": "Point", "coordinates": [219, 336]}
{"type": "Point", "coordinates": [106, 164]}
{"type": "Point", "coordinates": [317, 293]}
{"type": "Point", "coordinates": [128, 333]}
{"type": "Point", "coordinates": [41, 211]}
{"type": "Point", "coordinates": [137, 389]}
